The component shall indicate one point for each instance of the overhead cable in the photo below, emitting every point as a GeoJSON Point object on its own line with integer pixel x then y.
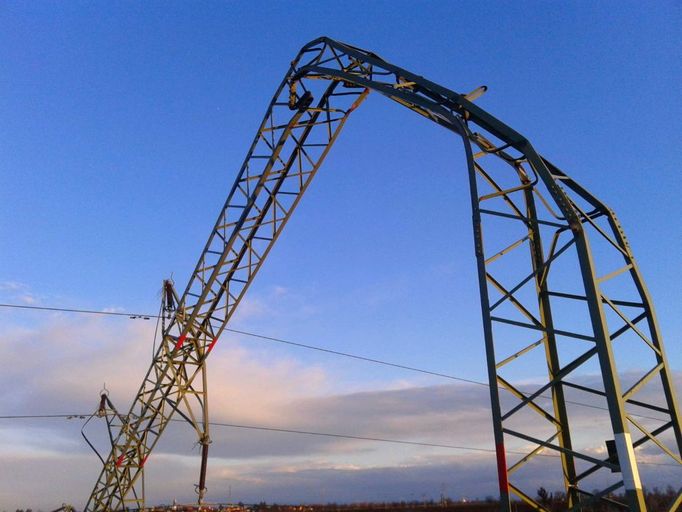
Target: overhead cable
{"type": "Point", "coordinates": [312, 347]}
{"type": "Point", "coordinates": [313, 433]}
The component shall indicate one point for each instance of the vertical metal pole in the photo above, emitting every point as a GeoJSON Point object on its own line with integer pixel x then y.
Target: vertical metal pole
{"type": "Point", "coordinates": [553, 365]}
{"type": "Point", "coordinates": [202, 474]}
{"type": "Point", "coordinates": [614, 396]}
{"type": "Point", "coordinates": [143, 492]}
{"type": "Point", "coordinates": [205, 439]}
{"type": "Point", "coordinates": [503, 481]}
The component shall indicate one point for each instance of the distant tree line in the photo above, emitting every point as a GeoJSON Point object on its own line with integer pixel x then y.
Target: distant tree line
{"type": "Point", "coordinates": [657, 500]}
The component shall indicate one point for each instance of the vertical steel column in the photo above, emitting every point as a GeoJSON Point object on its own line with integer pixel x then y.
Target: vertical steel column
{"type": "Point", "coordinates": [610, 378]}
{"type": "Point", "coordinates": [614, 395]}
{"type": "Point", "coordinates": [204, 436]}
{"type": "Point", "coordinates": [553, 365]}
{"type": "Point", "coordinates": [505, 503]}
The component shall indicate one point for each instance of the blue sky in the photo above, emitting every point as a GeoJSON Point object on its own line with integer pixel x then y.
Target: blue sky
{"type": "Point", "coordinates": [122, 127]}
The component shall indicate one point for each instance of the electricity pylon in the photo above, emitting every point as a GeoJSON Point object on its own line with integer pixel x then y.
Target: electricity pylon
{"type": "Point", "coordinates": [560, 289]}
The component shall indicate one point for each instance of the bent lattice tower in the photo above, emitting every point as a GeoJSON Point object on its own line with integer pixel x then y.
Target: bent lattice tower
{"type": "Point", "coordinates": [560, 291]}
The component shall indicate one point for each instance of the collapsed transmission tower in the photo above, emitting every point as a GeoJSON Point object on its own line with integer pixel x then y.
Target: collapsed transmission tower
{"type": "Point", "coordinates": [560, 291]}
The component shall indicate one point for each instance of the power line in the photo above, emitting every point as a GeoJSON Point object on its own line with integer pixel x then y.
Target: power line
{"type": "Point", "coordinates": [360, 358]}
{"type": "Point", "coordinates": [259, 336]}
{"type": "Point", "coordinates": [267, 429]}
{"type": "Point", "coordinates": [315, 433]}
{"type": "Point", "coordinates": [43, 416]}
{"type": "Point", "coordinates": [88, 311]}
{"type": "Point", "coordinates": [405, 367]}
{"type": "Point", "coordinates": [346, 436]}
{"type": "Point", "coordinates": [396, 441]}
{"type": "Point", "coordinates": [312, 347]}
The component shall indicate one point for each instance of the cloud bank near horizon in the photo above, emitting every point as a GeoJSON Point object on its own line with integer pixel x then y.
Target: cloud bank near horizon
{"type": "Point", "coordinates": [63, 361]}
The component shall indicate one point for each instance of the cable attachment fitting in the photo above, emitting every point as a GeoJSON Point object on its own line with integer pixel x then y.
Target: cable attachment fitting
{"type": "Point", "coordinates": [102, 409]}
{"type": "Point", "coordinates": [103, 399]}
{"type": "Point", "coordinates": [295, 102]}
{"type": "Point", "coordinates": [302, 103]}
{"type": "Point", "coordinates": [169, 303]}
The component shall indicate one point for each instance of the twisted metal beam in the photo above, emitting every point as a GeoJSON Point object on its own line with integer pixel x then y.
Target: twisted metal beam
{"type": "Point", "coordinates": [523, 284]}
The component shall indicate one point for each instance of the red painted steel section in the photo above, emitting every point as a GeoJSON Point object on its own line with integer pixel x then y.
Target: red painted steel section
{"type": "Point", "coordinates": [210, 347]}
{"type": "Point", "coordinates": [502, 468]}
{"type": "Point", "coordinates": [181, 340]}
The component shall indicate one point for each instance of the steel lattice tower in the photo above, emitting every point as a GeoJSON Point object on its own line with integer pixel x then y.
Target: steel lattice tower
{"type": "Point", "coordinates": [560, 289]}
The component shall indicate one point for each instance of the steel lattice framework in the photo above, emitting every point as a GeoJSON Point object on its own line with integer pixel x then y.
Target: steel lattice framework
{"type": "Point", "coordinates": [560, 289]}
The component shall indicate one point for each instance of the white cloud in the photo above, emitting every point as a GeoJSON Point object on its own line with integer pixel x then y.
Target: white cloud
{"type": "Point", "coordinates": [12, 286]}
{"type": "Point", "coordinates": [59, 366]}
{"type": "Point", "coordinates": [16, 291]}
